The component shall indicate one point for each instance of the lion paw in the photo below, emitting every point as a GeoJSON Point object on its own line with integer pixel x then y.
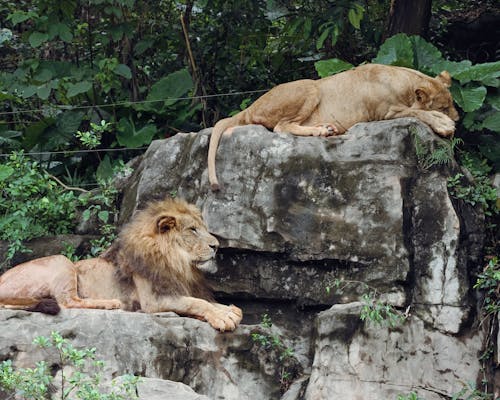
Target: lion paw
{"type": "Point", "coordinates": [113, 304]}
{"type": "Point", "coordinates": [224, 318]}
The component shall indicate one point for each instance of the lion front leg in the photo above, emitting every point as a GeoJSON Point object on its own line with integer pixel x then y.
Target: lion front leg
{"type": "Point", "coordinates": [221, 317]}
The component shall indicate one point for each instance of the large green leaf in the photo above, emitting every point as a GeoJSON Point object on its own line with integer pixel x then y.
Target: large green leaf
{"type": "Point", "coordinates": [425, 55]}
{"type": "Point", "coordinates": [331, 67]}
{"type": "Point", "coordinates": [485, 73]}
{"type": "Point", "coordinates": [74, 89]}
{"type": "Point", "coordinates": [492, 122]}
{"type": "Point", "coordinates": [453, 67]}
{"type": "Point", "coordinates": [355, 15]}
{"type": "Point", "coordinates": [123, 70]}
{"type": "Point", "coordinates": [35, 131]}
{"type": "Point", "coordinates": [397, 50]}
{"type": "Point", "coordinates": [27, 91]}
{"type": "Point", "coordinates": [21, 16]}
{"type": "Point", "coordinates": [37, 38]}
{"type": "Point", "coordinates": [43, 91]}
{"type": "Point", "coordinates": [128, 136]}
{"type": "Point", "coordinates": [469, 98]}
{"type": "Point", "coordinates": [171, 87]}
{"type": "Point", "coordinates": [5, 171]}
{"type": "Point", "coordinates": [68, 122]}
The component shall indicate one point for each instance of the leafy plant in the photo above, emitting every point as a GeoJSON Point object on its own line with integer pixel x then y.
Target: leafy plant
{"type": "Point", "coordinates": [380, 313]}
{"type": "Point", "coordinates": [480, 191]}
{"type": "Point", "coordinates": [409, 396]}
{"type": "Point", "coordinates": [489, 281]}
{"type": "Point", "coordinates": [374, 309]}
{"type": "Point", "coordinates": [32, 203]}
{"type": "Point", "coordinates": [274, 343]}
{"type": "Point", "coordinates": [80, 375]}
{"type": "Point", "coordinates": [430, 154]}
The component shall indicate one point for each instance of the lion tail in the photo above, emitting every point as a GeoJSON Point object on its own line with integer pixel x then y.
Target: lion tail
{"type": "Point", "coordinates": [45, 306]}
{"type": "Point", "coordinates": [219, 128]}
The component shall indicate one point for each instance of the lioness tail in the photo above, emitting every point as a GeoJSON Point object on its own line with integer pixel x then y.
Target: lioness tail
{"type": "Point", "coordinates": [219, 128]}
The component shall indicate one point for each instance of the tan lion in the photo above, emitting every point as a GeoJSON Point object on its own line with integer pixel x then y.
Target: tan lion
{"type": "Point", "coordinates": [154, 265]}
{"type": "Point", "coordinates": [330, 106]}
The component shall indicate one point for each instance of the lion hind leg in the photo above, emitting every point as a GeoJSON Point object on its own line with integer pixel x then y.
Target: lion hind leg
{"type": "Point", "coordinates": [66, 295]}
{"type": "Point", "coordinates": [104, 304]}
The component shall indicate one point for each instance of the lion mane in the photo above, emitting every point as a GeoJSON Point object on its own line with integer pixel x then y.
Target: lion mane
{"type": "Point", "coordinates": [156, 264]}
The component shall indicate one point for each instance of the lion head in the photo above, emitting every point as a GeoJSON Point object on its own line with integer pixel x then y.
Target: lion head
{"type": "Point", "coordinates": [168, 243]}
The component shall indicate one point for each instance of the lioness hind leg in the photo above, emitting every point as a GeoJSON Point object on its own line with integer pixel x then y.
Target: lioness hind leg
{"type": "Point", "coordinates": [300, 130]}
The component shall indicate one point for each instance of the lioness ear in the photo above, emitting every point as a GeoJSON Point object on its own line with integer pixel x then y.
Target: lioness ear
{"type": "Point", "coordinates": [422, 96]}
{"type": "Point", "coordinates": [445, 78]}
{"type": "Point", "coordinates": [165, 223]}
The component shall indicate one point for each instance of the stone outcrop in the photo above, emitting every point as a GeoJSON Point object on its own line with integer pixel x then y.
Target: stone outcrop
{"type": "Point", "coordinates": [306, 223]}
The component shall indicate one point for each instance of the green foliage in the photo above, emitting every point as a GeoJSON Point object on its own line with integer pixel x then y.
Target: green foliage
{"type": "Point", "coordinates": [92, 138]}
{"type": "Point", "coordinates": [374, 309]}
{"type": "Point", "coordinates": [273, 343]}
{"type": "Point", "coordinates": [471, 392]}
{"type": "Point", "coordinates": [409, 396]}
{"type": "Point", "coordinates": [380, 313]}
{"type": "Point", "coordinates": [489, 281]}
{"type": "Point", "coordinates": [80, 375]}
{"type": "Point", "coordinates": [430, 154]}
{"type": "Point", "coordinates": [32, 204]}
{"type": "Point", "coordinates": [481, 190]}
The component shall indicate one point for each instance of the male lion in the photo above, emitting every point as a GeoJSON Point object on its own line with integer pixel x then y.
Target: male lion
{"type": "Point", "coordinates": [330, 106]}
{"type": "Point", "coordinates": [154, 265]}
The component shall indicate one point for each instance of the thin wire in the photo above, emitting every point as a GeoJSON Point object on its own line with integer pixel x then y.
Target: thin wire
{"type": "Point", "coordinates": [44, 153]}
{"type": "Point", "coordinates": [123, 103]}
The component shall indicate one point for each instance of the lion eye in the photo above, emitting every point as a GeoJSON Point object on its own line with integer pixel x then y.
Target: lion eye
{"type": "Point", "coordinates": [193, 229]}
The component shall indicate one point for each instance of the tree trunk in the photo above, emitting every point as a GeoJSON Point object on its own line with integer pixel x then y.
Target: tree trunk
{"type": "Point", "coordinates": [409, 16]}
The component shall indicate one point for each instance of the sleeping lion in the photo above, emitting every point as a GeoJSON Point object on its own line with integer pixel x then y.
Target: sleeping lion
{"type": "Point", "coordinates": [330, 106]}
{"type": "Point", "coordinates": [154, 265]}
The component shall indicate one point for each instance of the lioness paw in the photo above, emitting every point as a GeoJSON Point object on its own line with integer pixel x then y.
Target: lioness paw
{"type": "Point", "coordinates": [442, 124]}
{"type": "Point", "coordinates": [325, 130]}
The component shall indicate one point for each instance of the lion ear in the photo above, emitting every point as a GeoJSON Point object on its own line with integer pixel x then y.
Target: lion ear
{"type": "Point", "coordinates": [422, 96]}
{"type": "Point", "coordinates": [165, 223]}
{"type": "Point", "coordinates": [445, 78]}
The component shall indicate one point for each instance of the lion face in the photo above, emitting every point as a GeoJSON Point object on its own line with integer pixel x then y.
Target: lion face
{"type": "Point", "coordinates": [188, 233]}
{"type": "Point", "coordinates": [168, 235]}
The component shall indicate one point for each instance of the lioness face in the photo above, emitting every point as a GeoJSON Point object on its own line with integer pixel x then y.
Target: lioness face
{"type": "Point", "coordinates": [190, 235]}
{"type": "Point", "coordinates": [437, 97]}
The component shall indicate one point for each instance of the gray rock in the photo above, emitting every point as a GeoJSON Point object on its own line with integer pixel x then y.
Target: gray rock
{"type": "Point", "coordinates": [160, 389]}
{"type": "Point", "coordinates": [368, 362]}
{"type": "Point", "coordinates": [160, 346]}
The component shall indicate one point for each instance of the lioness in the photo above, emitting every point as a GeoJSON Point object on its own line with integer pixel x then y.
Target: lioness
{"type": "Point", "coordinates": [154, 265]}
{"type": "Point", "coordinates": [330, 106]}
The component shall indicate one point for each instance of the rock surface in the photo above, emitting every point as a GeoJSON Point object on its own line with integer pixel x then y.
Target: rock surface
{"type": "Point", "coordinates": [306, 223]}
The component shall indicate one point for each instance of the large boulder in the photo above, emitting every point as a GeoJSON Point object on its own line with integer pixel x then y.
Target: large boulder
{"type": "Point", "coordinates": [161, 346]}
{"type": "Point", "coordinates": [297, 213]}
{"type": "Point", "coordinates": [306, 223]}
